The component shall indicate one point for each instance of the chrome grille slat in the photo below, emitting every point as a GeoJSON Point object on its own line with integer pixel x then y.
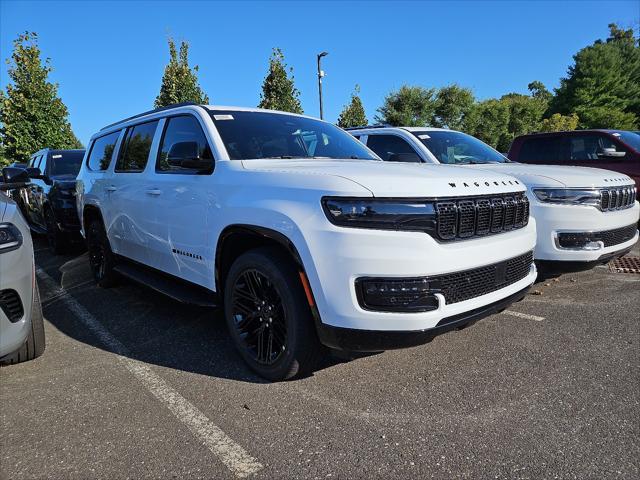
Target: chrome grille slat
{"type": "Point", "coordinates": [469, 217]}
{"type": "Point", "coordinates": [616, 198]}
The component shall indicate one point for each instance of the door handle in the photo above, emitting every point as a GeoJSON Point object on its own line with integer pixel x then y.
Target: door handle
{"type": "Point", "coordinates": [154, 191]}
{"type": "Point", "coordinates": [111, 189]}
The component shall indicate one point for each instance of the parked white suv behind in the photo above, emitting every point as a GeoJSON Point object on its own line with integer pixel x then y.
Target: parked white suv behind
{"type": "Point", "coordinates": [302, 234]}
{"type": "Point", "coordinates": [584, 216]}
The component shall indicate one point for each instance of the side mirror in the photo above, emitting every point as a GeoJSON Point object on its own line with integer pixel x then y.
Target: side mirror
{"type": "Point", "coordinates": [611, 153]}
{"type": "Point", "coordinates": [187, 155]}
{"type": "Point", "coordinates": [15, 175]}
{"type": "Point", "coordinates": [405, 157]}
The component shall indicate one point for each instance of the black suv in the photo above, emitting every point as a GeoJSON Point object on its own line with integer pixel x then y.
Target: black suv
{"type": "Point", "coordinates": [50, 202]}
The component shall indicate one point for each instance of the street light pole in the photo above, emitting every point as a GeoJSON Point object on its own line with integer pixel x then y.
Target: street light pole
{"type": "Point", "coordinates": [320, 75]}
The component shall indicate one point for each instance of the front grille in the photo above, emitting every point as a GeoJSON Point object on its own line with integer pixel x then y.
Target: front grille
{"type": "Point", "coordinates": [461, 286]}
{"type": "Point", "coordinates": [473, 217]}
{"type": "Point", "coordinates": [617, 236]}
{"type": "Point", "coordinates": [617, 198]}
{"type": "Point", "coordinates": [11, 305]}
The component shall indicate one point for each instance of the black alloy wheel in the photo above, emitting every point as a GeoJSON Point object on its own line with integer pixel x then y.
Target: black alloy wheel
{"type": "Point", "coordinates": [259, 316]}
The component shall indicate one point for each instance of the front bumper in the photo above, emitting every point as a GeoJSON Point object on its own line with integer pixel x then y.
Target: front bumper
{"type": "Point", "coordinates": [17, 274]}
{"type": "Point", "coordinates": [554, 220]}
{"type": "Point", "coordinates": [374, 341]}
{"type": "Point", "coordinates": [337, 257]}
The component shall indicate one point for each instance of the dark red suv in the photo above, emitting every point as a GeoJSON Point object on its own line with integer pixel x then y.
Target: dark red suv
{"type": "Point", "coordinates": [616, 150]}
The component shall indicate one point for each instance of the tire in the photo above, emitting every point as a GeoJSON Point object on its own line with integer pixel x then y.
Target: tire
{"type": "Point", "coordinates": [268, 316]}
{"type": "Point", "coordinates": [35, 344]}
{"type": "Point", "coordinates": [56, 239]}
{"type": "Point", "coordinates": [101, 258]}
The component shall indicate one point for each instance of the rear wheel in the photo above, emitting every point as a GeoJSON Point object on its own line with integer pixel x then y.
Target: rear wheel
{"type": "Point", "coordinates": [35, 344]}
{"type": "Point", "coordinates": [268, 316]}
{"type": "Point", "coordinates": [101, 258]}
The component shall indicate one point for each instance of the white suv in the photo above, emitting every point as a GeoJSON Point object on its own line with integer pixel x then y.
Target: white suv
{"type": "Point", "coordinates": [300, 231]}
{"type": "Point", "coordinates": [584, 216]}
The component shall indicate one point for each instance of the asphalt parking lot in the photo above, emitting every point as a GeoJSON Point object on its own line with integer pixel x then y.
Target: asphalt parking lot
{"type": "Point", "coordinates": [135, 385]}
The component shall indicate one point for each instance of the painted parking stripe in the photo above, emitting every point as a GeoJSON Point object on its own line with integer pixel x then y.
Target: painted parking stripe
{"type": "Point", "coordinates": [523, 315]}
{"type": "Point", "coordinates": [234, 457]}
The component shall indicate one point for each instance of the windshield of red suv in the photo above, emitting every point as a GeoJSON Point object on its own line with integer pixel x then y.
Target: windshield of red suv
{"type": "Point", "coordinates": [458, 148]}
{"type": "Point", "coordinates": [253, 135]}
{"type": "Point", "coordinates": [630, 138]}
{"type": "Point", "coordinates": [66, 162]}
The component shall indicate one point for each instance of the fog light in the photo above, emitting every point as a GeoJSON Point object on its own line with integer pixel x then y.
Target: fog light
{"type": "Point", "coordinates": [578, 241]}
{"type": "Point", "coordinates": [396, 295]}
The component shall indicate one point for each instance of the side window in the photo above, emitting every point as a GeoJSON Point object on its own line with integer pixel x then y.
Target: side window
{"type": "Point", "coordinates": [134, 153]}
{"type": "Point", "coordinates": [102, 151]}
{"type": "Point", "coordinates": [184, 147]}
{"type": "Point", "coordinates": [42, 163]}
{"type": "Point", "coordinates": [387, 145]}
{"type": "Point", "coordinates": [584, 147]}
{"type": "Point", "coordinates": [541, 150]}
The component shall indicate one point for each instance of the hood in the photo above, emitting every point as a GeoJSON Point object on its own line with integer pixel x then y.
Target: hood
{"type": "Point", "coordinates": [385, 179]}
{"type": "Point", "coordinates": [64, 182]}
{"type": "Point", "coordinates": [559, 176]}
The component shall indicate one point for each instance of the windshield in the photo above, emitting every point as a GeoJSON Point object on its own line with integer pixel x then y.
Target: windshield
{"type": "Point", "coordinates": [66, 162]}
{"type": "Point", "coordinates": [253, 135]}
{"type": "Point", "coordinates": [630, 138]}
{"type": "Point", "coordinates": [458, 148]}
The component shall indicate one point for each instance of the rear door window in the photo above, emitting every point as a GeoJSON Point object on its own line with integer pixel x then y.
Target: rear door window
{"type": "Point", "coordinates": [134, 153]}
{"type": "Point", "coordinates": [387, 145]}
{"type": "Point", "coordinates": [102, 151]}
{"type": "Point", "coordinates": [542, 149]}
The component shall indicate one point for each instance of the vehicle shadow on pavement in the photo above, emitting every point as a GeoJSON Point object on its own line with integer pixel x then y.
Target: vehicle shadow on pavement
{"type": "Point", "coordinates": [152, 327]}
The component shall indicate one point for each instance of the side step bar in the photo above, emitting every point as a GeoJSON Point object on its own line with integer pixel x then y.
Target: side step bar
{"type": "Point", "coordinates": [168, 285]}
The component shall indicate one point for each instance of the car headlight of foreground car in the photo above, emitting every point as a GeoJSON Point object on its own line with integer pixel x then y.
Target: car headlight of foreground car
{"type": "Point", "coordinates": [10, 237]}
{"type": "Point", "coordinates": [381, 214]}
{"type": "Point", "coordinates": [568, 196]}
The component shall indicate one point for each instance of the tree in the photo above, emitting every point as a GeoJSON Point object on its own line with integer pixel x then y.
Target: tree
{"type": "Point", "coordinates": [32, 116]}
{"type": "Point", "coordinates": [408, 107]}
{"type": "Point", "coordinates": [489, 121]}
{"type": "Point", "coordinates": [603, 85]}
{"type": "Point", "coordinates": [559, 123]}
{"type": "Point", "coordinates": [278, 89]}
{"type": "Point", "coordinates": [539, 91]}
{"type": "Point", "coordinates": [353, 114]}
{"type": "Point", "coordinates": [452, 104]}
{"type": "Point", "coordinates": [179, 81]}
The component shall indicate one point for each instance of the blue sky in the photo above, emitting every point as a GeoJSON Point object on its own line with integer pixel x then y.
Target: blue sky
{"type": "Point", "coordinates": [108, 57]}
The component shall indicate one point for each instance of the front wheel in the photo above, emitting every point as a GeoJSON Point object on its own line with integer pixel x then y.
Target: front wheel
{"type": "Point", "coordinates": [268, 316]}
{"type": "Point", "coordinates": [101, 258]}
{"type": "Point", "coordinates": [55, 238]}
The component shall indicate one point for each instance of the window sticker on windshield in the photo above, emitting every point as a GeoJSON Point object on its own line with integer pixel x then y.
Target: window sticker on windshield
{"type": "Point", "coordinates": [615, 134]}
{"type": "Point", "coordinates": [223, 117]}
{"type": "Point", "coordinates": [56, 156]}
{"type": "Point", "coordinates": [424, 136]}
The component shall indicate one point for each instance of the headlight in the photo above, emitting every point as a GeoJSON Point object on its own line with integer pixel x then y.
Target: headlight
{"type": "Point", "coordinates": [568, 196]}
{"type": "Point", "coordinates": [10, 237]}
{"type": "Point", "coordinates": [66, 193]}
{"type": "Point", "coordinates": [382, 214]}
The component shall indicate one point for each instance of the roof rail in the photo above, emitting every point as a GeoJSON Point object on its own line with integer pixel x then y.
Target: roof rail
{"type": "Point", "coordinates": [155, 110]}
{"type": "Point", "coordinates": [369, 126]}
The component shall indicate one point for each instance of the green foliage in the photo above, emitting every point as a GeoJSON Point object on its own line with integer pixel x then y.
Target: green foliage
{"type": "Point", "coordinates": [539, 91]}
{"type": "Point", "coordinates": [32, 116]}
{"type": "Point", "coordinates": [179, 81]}
{"type": "Point", "coordinates": [408, 107]}
{"type": "Point", "coordinates": [489, 121]}
{"type": "Point", "coordinates": [559, 123]}
{"type": "Point", "coordinates": [353, 114]}
{"type": "Point", "coordinates": [278, 89]}
{"type": "Point", "coordinates": [452, 104]}
{"type": "Point", "coordinates": [603, 85]}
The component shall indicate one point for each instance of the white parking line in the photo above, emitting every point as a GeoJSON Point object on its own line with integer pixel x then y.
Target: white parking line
{"type": "Point", "coordinates": [229, 452]}
{"type": "Point", "coordinates": [523, 315]}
